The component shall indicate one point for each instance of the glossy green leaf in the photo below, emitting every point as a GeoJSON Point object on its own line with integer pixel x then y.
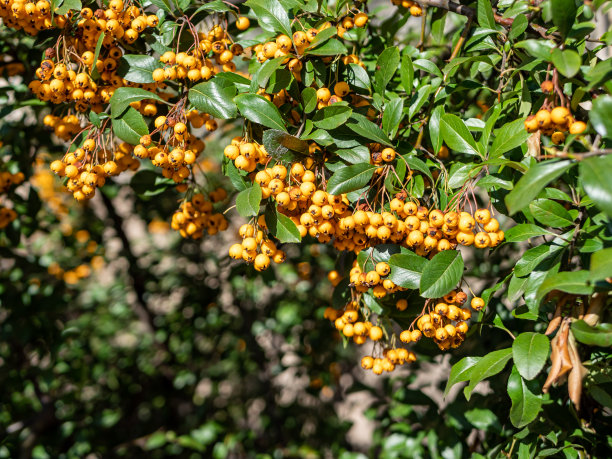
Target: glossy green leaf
{"type": "Point", "coordinates": [350, 178]}
{"type": "Point", "coordinates": [282, 146]}
{"type": "Point", "coordinates": [460, 372]}
{"type": "Point", "coordinates": [271, 16]}
{"type": "Point", "coordinates": [441, 274]}
{"type": "Point", "coordinates": [575, 282]}
{"type": "Point", "coordinates": [387, 64]}
{"type": "Point", "coordinates": [534, 181]}
{"type": "Point", "coordinates": [567, 61]}
{"type": "Point", "coordinates": [280, 226]}
{"type": "Point", "coordinates": [509, 136]}
{"type": "Point", "coordinates": [392, 116]}
{"type": "Point", "coordinates": [525, 231]}
{"type": "Point", "coordinates": [599, 335]}
{"type": "Point", "coordinates": [358, 77]}
{"type": "Point", "coordinates": [485, 14]}
{"type": "Point", "coordinates": [601, 265]}
{"type": "Point", "coordinates": [359, 124]}
{"type": "Point", "coordinates": [124, 96]}
{"type": "Point", "coordinates": [530, 351]}
{"type": "Point", "coordinates": [601, 115]}
{"type": "Point", "coordinates": [456, 135]}
{"type": "Point", "coordinates": [259, 110]}
{"type": "Point", "coordinates": [487, 366]}
{"type": "Point", "coordinates": [332, 47]}
{"type": "Point", "coordinates": [248, 201]}
{"type": "Point", "coordinates": [407, 74]}
{"type": "Point", "coordinates": [215, 97]}
{"type": "Point", "coordinates": [563, 15]}
{"type": "Point", "coordinates": [137, 68]}
{"type": "Point", "coordinates": [550, 213]}
{"type": "Point", "coordinates": [525, 405]}
{"type": "Point", "coordinates": [595, 177]}
{"type": "Point", "coordinates": [406, 269]}
{"type": "Point", "coordinates": [309, 99]}
{"type": "Point", "coordinates": [332, 116]}
{"type": "Point", "coordinates": [130, 126]}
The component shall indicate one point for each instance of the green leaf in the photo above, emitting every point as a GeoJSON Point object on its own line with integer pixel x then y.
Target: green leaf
{"type": "Point", "coordinates": [261, 77]}
{"type": "Point", "coordinates": [601, 115]}
{"type": "Point", "coordinates": [532, 258]}
{"type": "Point", "coordinates": [215, 97]}
{"type": "Point", "coordinates": [427, 66]}
{"type": "Point", "coordinates": [309, 99]}
{"type": "Point", "coordinates": [595, 177]}
{"type": "Point", "coordinates": [550, 213]}
{"type": "Point", "coordinates": [567, 61]}
{"type": "Point", "coordinates": [601, 265]}
{"type": "Point", "coordinates": [248, 201]}
{"type": "Point", "coordinates": [358, 77]}
{"type": "Point", "coordinates": [406, 269]}
{"type": "Point", "coordinates": [386, 64]}
{"type": "Point", "coordinates": [541, 49]}
{"type": "Point", "coordinates": [350, 178]}
{"type": "Point", "coordinates": [359, 124]}
{"type": "Point", "coordinates": [563, 15]}
{"type": "Point", "coordinates": [280, 145]}
{"type": "Point", "coordinates": [534, 181]}
{"type": "Point", "coordinates": [457, 136]}
{"type": "Point", "coordinates": [130, 126]}
{"type": "Point", "coordinates": [434, 128]}
{"type": "Point", "coordinates": [599, 335]}
{"type": "Point", "coordinates": [124, 96]}
{"type": "Point", "coordinates": [271, 16]}
{"type": "Point", "coordinates": [530, 351]}
{"type": "Point", "coordinates": [461, 371]}
{"type": "Point", "coordinates": [575, 282]}
{"type": "Point", "coordinates": [525, 231]}
{"type": "Point", "coordinates": [259, 110]}
{"type": "Point", "coordinates": [281, 226]}
{"type": "Point", "coordinates": [137, 68]}
{"type": "Point", "coordinates": [68, 5]}
{"type": "Point", "coordinates": [525, 405]}
{"type": "Point", "coordinates": [407, 74]}
{"type": "Point", "coordinates": [441, 274]}
{"type": "Point", "coordinates": [332, 116]}
{"type": "Point", "coordinates": [331, 47]}
{"type": "Point", "coordinates": [322, 36]}
{"type": "Point", "coordinates": [94, 69]}
{"type": "Point", "coordinates": [485, 14]}
{"type": "Point", "coordinates": [487, 366]}
{"type": "Point", "coordinates": [415, 163]}
{"type": "Point", "coordinates": [519, 25]}
{"type": "Point", "coordinates": [509, 136]}
{"type": "Point", "coordinates": [392, 116]}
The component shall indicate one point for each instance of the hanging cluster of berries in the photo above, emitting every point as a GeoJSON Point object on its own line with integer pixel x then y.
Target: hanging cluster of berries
{"type": "Point", "coordinates": [64, 127]}
{"type": "Point", "coordinates": [196, 65]}
{"type": "Point", "coordinates": [66, 74]}
{"type": "Point", "coordinates": [256, 248]}
{"type": "Point", "coordinates": [88, 167]}
{"type": "Point", "coordinates": [347, 322]}
{"type": "Point", "coordinates": [554, 123]}
{"type": "Point", "coordinates": [171, 146]}
{"type": "Point", "coordinates": [446, 323]}
{"type": "Point", "coordinates": [196, 216]}
{"type": "Point", "coordinates": [246, 155]}
{"type": "Point", "coordinates": [31, 17]}
{"type": "Point", "coordinates": [7, 181]}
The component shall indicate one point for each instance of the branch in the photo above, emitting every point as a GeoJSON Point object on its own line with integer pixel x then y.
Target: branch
{"type": "Point", "coordinates": [447, 5]}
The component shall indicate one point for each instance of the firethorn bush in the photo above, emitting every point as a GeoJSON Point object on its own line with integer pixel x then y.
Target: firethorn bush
{"type": "Point", "coordinates": [196, 195]}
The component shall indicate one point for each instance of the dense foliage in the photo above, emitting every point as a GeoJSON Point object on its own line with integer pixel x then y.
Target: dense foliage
{"type": "Point", "coordinates": [219, 222]}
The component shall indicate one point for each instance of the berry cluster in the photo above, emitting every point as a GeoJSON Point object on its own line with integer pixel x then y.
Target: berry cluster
{"type": "Point", "coordinates": [197, 215]}
{"type": "Point", "coordinates": [256, 248]}
{"type": "Point", "coordinates": [88, 167]}
{"type": "Point", "coordinates": [554, 123]}
{"type": "Point", "coordinates": [31, 17]}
